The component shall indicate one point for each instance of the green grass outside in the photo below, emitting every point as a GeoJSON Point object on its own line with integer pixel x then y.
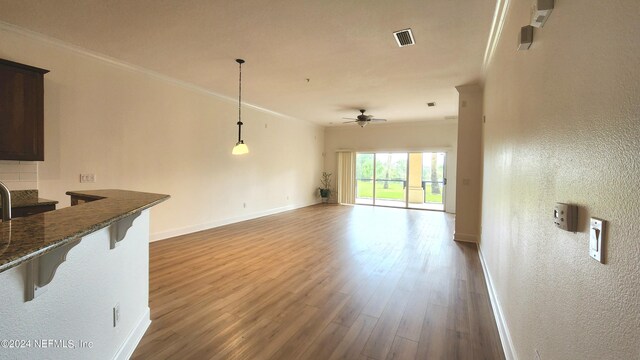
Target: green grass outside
{"type": "Point", "coordinates": [394, 192]}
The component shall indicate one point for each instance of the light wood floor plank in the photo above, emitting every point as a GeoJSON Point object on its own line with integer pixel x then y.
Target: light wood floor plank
{"type": "Point", "coordinates": [321, 282]}
{"type": "Point", "coordinates": [352, 344]}
{"type": "Point", "coordinates": [410, 326]}
{"type": "Point", "coordinates": [383, 334]}
{"type": "Point", "coordinates": [324, 344]}
{"type": "Point", "coordinates": [403, 349]}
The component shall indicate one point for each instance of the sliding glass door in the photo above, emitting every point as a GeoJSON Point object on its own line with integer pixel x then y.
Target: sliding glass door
{"type": "Point", "coordinates": [391, 179]}
{"type": "Point", "coordinates": [408, 180]}
{"type": "Point", "coordinates": [364, 178]}
{"type": "Point", "coordinates": [427, 181]}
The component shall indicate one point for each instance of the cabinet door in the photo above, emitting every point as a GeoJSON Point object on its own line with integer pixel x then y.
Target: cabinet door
{"type": "Point", "coordinates": [30, 210]}
{"type": "Point", "coordinates": [21, 114]}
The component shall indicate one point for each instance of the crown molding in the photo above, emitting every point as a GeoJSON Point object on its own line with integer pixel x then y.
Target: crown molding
{"type": "Point", "coordinates": [4, 26]}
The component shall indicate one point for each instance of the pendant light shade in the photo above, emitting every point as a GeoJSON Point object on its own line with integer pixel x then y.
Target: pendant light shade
{"type": "Point", "coordinates": [241, 147]}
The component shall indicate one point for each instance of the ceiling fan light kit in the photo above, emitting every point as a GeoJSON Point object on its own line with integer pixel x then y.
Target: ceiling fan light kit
{"type": "Point", "coordinates": [363, 119]}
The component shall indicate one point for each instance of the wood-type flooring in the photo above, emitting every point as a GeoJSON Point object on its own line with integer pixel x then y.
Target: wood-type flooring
{"type": "Point", "coordinates": [321, 282]}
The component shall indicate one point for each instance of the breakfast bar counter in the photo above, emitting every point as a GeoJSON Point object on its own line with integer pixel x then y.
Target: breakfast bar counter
{"type": "Point", "coordinates": [77, 279]}
{"type": "Point", "coordinates": [22, 239]}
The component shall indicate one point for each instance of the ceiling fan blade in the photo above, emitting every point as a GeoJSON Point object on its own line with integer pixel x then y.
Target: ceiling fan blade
{"type": "Point", "coordinates": [346, 122]}
{"type": "Point", "coordinates": [378, 120]}
{"type": "Point", "coordinates": [350, 119]}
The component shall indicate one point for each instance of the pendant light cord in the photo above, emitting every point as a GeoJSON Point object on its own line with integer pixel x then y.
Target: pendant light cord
{"type": "Point", "coordinates": [240, 61]}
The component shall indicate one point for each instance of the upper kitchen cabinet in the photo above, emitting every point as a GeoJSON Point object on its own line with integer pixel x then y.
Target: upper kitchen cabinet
{"type": "Point", "coordinates": [21, 111]}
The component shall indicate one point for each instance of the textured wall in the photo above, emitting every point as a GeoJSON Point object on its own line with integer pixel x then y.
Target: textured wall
{"type": "Point", "coordinates": [138, 131]}
{"type": "Point", "coordinates": [563, 125]}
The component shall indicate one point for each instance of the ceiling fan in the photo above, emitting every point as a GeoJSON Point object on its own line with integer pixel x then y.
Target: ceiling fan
{"type": "Point", "coordinates": [362, 119]}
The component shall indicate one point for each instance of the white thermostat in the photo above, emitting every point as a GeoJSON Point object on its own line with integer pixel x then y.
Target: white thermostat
{"type": "Point", "coordinates": [565, 216]}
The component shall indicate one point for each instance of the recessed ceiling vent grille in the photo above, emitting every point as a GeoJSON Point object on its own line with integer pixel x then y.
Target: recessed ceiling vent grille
{"type": "Point", "coordinates": [404, 37]}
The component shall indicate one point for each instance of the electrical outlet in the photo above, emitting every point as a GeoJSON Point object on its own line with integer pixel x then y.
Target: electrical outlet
{"type": "Point", "coordinates": [116, 315]}
{"type": "Point", "coordinates": [244, 205]}
{"type": "Point", "coordinates": [87, 178]}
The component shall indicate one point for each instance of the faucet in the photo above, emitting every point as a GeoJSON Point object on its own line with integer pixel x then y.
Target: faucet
{"type": "Point", "coordinates": [5, 195]}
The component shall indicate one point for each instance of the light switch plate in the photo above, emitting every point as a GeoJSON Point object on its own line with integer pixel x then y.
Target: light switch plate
{"type": "Point", "coordinates": [596, 236]}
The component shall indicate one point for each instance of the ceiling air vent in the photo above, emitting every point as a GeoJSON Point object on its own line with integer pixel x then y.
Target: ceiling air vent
{"type": "Point", "coordinates": [404, 37]}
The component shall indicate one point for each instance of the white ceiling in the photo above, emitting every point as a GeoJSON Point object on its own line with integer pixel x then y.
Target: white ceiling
{"type": "Point", "coordinates": [344, 47]}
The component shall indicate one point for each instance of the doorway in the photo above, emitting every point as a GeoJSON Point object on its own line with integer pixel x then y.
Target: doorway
{"type": "Point", "coordinates": [413, 180]}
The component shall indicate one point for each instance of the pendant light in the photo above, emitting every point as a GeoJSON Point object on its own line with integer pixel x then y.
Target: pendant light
{"type": "Point", "coordinates": [240, 147]}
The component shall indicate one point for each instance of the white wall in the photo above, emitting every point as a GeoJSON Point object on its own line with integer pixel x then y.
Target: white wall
{"type": "Point", "coordinates": [427, 136]}
{"type": "Point", "coordinates": [78, 303]}
{"type": "Point", "coordinates": [138, 131]}
{"type": "Point", "coordinates": [563, 125]}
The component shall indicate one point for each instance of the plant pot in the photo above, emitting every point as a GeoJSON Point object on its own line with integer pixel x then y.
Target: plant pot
{"type": "Point", "coordinates": [324, 193]}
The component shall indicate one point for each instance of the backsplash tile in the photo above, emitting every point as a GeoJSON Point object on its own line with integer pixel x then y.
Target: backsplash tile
{"type": "Point", "coordinates": [19, 175]}
{"type": "Point", "coordinates": [21, 195]}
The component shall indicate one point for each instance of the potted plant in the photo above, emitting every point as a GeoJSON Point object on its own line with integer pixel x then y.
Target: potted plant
{"type": "Point", "coordinates": [325, 189]}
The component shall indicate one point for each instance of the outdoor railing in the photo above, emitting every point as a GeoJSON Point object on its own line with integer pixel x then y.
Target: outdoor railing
{"type": "Point", "coordinates": [427, 186]}
{"type": "Point", "coordinates": [404, 182]}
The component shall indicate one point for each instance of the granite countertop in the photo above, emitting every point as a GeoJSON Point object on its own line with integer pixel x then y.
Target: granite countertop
{"type": "Point", "coordinates": [27, 198]}
{"type": "Point", "coordinates": [23, 239]}
{"type": "Point", "coordinates": [30, 202]}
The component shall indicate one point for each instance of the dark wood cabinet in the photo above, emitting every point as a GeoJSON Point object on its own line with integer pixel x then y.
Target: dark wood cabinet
{"type": "Point", "coordinates": [21, 111]}
{"type": "Point", "coordinates": [31, 210]}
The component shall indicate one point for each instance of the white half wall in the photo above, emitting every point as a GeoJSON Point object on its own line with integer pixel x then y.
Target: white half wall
{"type": "Point", "coordinates": [76, 310]}
{"type": "Point", "coordinates": [426, 136]}
{"type": "Point", "coordinates": [137, 130]}
{"type": "Point", "coordinates": [563, 125]}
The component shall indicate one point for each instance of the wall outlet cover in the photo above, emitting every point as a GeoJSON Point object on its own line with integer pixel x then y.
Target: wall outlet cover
{"type": "Point", "coordinates": [87, 178]}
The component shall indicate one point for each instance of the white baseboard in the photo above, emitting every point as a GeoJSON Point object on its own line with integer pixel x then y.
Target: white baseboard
{"type": "Point", "coordinates": [503, 329]}
{"type": "Point", "coordinates": [213, 224]}
{"type": "Point", "coordinates": [465, 237]}
{"type": "Point", "coordinates": [132, 341]}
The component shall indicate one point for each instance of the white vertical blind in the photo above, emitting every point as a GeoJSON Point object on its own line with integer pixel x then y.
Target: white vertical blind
{"type": "Point", "coordinates": [346, 177]}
